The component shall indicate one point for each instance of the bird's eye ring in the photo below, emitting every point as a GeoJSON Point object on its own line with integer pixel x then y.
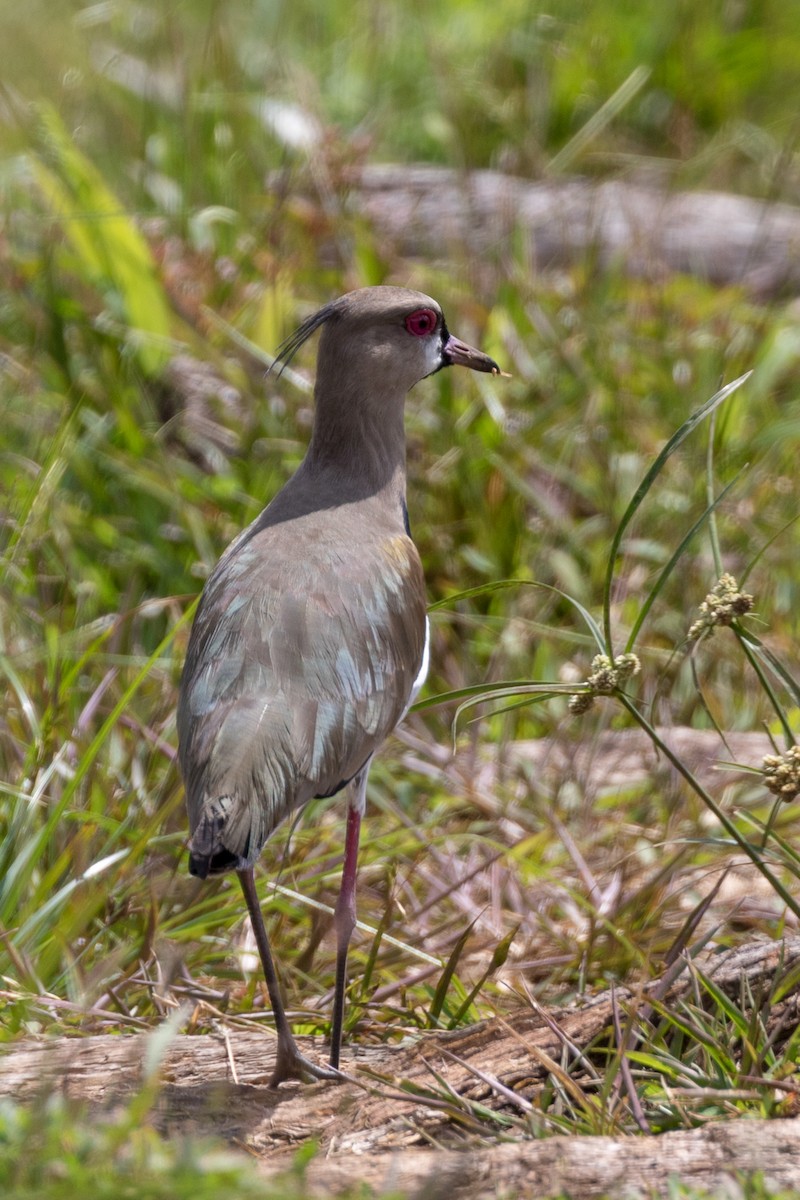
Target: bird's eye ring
{"type": "Point", "coordinates": [422, 322]}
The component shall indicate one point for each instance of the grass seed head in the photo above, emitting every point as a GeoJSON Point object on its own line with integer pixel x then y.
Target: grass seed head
{"type": "Point", "coordinates": [721, 606]}
{"type": "Point", "coordinates": [607, 676]}
{"type": "Point", "coordinates": [782, 773]}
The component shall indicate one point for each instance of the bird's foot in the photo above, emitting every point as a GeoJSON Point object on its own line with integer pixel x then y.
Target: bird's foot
{"type": "Point", "coordinates": [291, 1064]}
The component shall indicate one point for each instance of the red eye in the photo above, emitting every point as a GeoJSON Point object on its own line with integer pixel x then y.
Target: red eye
{"type": "Point", "coordinates": [422, 322]}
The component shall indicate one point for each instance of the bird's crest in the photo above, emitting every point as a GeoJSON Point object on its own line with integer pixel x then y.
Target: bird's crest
{"type": "Point", "coordinates": [290, 345]}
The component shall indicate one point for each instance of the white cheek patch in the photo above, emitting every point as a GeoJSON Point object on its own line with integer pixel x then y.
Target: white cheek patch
{"type": "Point", "coordinates": [433, 354]}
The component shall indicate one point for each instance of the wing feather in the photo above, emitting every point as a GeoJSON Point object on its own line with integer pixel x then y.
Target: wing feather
{"type": "Point", "coordinates": [297, 670]}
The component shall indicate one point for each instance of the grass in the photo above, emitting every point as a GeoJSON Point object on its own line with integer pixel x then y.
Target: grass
{"type": "Point", "coordinates": [51, 1149]}
{"type": "Point", "coordinates": [136, 228]}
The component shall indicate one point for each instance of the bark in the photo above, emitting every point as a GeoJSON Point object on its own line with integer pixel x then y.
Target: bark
{"type": "Point", "coordinates": [582, 1166]}
{"type": "Point", "coordinates": [372, 1129]}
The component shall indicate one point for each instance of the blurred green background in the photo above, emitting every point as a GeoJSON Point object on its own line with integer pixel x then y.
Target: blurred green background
{"type": "Point", "coordinates": [148, 272]}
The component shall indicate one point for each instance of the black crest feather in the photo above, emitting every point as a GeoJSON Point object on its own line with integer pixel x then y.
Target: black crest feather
{"type": "Point", "coordinates": [290, 345]}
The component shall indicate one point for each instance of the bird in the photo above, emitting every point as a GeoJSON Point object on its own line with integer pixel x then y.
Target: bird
{"type": "Point", "coordinates": [311, 637]}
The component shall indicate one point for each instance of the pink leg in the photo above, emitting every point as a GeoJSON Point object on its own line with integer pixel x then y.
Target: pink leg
{"type": "Point", "coordinates": [344, 916]}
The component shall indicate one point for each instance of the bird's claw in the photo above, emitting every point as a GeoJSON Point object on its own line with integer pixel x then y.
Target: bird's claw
{"type": "Point", "coordinates": [291, 1064]}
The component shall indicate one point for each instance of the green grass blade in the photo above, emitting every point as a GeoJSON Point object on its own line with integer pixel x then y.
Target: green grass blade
{"type": "Point", "coordinates": [712, 523]}
{"type": "Point", "coordinates": [478, 692]}
{"type": "Point", "coordinates": [680, 436]}
{"type": "Point", "coordinates": [482, 589]}
{"type": "Point", "coordinates": [33, 850]}
{"type": "Point", "coordinates": [498, 959]}
{"type": "Point", "coordinates": [667, 570]}
{"type": "Point", "coordinates": [110, 248]}
{"type": "Point", "coordinates": [446, 977]}
{"type": "Point", "coordinates": [748, 638]}
{"type": "Point", "coordinates": [599, 121]}
{"type": "Point", "coordinates": [769, 542]}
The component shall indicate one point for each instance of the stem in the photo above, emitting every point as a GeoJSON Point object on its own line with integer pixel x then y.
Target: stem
{"type": "Point", "coordinates": [766, 685]}
{"type": "Point", "coordinates": [712, 523]}
{"type": "Point", "coordinates": [711, 803]}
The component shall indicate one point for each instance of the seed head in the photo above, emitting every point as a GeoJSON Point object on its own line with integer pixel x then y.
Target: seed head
{"type": "Point", "coordinates": [782, 773]}
{"type": "Point", "coordinates": [721, 606]}
{"type": "Point", "coordinates": [606, 677]}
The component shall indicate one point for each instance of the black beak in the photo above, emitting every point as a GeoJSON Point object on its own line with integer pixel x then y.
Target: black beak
{"type": "Point", "coordinates": [456, 353]}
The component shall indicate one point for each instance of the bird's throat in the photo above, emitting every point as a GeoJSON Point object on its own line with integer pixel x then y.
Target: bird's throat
{"type": "Point", "coordinates": [361, 438]}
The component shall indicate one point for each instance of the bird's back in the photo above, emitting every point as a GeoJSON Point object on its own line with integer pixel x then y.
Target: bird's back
{"type": "Point", "coordinates": [303, 656]}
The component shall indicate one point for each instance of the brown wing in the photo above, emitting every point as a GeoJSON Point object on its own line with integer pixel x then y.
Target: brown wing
{"type": "Point", "coordinates": [297, 669]}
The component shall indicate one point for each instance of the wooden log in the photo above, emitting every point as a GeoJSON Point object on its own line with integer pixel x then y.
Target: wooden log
{"type": "Point", "coordinates": [647, 231]}
{"type": "Point", "coordinates": [370, 1129]}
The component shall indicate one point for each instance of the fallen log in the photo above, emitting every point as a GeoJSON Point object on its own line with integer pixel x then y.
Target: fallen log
{"type": "Point", "coordinates": [399, 1101]}
{"type": "Point", "coordinates": [645, 231]}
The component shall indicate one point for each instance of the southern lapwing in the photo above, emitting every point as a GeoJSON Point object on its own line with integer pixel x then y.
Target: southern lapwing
{"type": "Point", "coordinates": [311, 638]}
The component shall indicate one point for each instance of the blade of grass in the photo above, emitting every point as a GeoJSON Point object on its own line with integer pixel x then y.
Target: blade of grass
{"type": "Point", "coordinates": [32, 851]}
{"type": "Point", "coordinates": [674, 559]}
{"type": "Point", "coordinates": [680, 436]}
{"type": "Point", "coordinates": [446, 977]}
{"type": "Point", "coordinates": [107, 242]}
{"type": "Point", "coordinates": [499, 956]}
{"type": "Point", "coordinates": [607, 113]}
{"type": "Point", "coordinates": [754, 648]}
{"type": "Point", "coordinates": [478, 692]}
{"type": "Point", "coordinates": [713, 533]}
{"type": "Point", "coordinates": [769, 542]}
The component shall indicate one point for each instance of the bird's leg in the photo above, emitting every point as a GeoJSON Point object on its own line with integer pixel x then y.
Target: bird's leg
{"type": "Point", "coordinates": [344, 916]}
{"type": "Point", "coordinates": [289, 1063]}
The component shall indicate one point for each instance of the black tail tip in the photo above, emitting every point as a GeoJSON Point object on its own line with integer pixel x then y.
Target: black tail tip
{"type": "Point", "coordinates": [199, 866]}
{"type": "Point", "coordinates": [203, 865]}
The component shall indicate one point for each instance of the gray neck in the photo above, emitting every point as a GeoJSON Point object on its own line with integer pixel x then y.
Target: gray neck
{"type": "Point", "coordinates": [358, 434]}
{"type": "Point", "coordinates": [357, 451]}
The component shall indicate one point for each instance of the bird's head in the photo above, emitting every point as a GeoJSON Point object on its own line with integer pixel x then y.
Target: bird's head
{"type": "Point", "coordinates": [386, 338]}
